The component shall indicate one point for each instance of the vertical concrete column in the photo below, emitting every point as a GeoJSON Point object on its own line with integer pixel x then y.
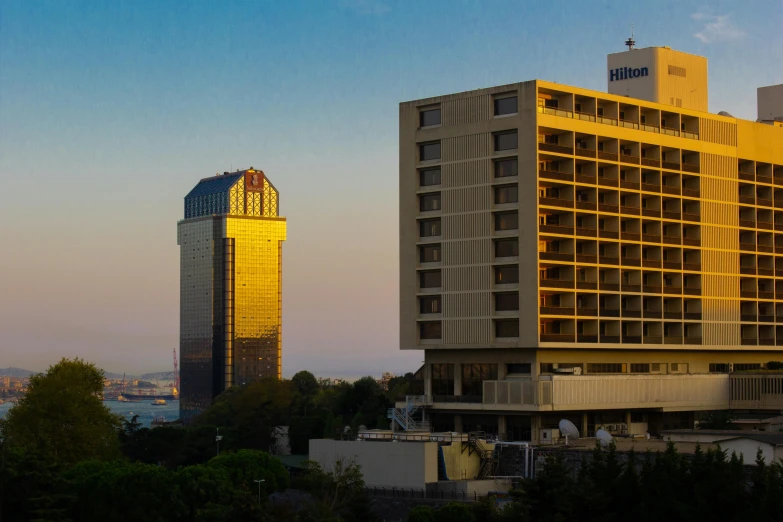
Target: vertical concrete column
{"type": "Point", "coordinates": [501, 371]}
{"type": "Point", "coordinates": [535, 426]}
{"type": "Point", "coordinates": [457, 379]}
{"type": "Point", "coordinates": [583, 429]}
{"type": "Point", "coordinates": [458, 423]}
{"type": "Point", "coordinates": [502, 426]}
{"type": "Point", "coordinates": [628, 421]}
{"type": "Point", "coordinates": [427, 378]}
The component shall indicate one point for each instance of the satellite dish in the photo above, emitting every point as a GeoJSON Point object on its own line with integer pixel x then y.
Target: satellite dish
{"type": "Point", "coordinates": [604, 438]}
{"type": "Point", "coordinates": [568, 429]}
{"type": "Point", "coordinates": [347, 429]}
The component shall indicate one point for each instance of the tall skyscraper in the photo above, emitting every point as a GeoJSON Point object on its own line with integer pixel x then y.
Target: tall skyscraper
{"type": "Point", "coordinates": [613, 258]}
{"type": "Point", "coordinates": [231, 244]}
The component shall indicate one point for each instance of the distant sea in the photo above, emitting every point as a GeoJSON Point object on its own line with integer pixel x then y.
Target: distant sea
{"type": "Point", "coordinates": [144, 409]}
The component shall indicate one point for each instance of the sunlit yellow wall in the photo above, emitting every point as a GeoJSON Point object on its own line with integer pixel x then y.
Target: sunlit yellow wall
{"type": "Point", "coordinates": [462, 464]}
{"type": "Point", "coordinates": [257, 295]}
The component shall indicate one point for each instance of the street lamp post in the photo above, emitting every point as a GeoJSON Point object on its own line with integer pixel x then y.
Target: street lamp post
{"type": "Point", "coordinates": [259, 489]}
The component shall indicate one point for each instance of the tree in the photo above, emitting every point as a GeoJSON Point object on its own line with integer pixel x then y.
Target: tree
{"type": "Point", "coordinates": [421, 514]}
{"type": "Point", "coordinates": [306, 383]}
{"type": "Point", "coordinates": [62, 416]}
{"type": "Point", "coordinates": [246, 466]}
{"type": "Point", "coordinates": [339, 492]}
{"type": "Point", "coordinates": [454, 512]}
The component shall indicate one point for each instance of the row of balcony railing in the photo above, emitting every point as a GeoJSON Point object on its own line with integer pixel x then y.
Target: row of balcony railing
{"type": "Point", "coordinates": [618, 261]}
{"type": "Point", "coordinates": [580, 311]}
{"type": "Point", "coordinates": [692, 191]}
{"type": "Point", "coordinates": [616, 339]}
{"type": "Point", "coordinates": [628, 124]}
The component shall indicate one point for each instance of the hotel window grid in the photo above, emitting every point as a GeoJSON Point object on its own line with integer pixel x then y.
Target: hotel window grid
{"type": "Point", "coordinates": [506, 168]}
{"type": "Point", "coordinates": [506, 141]}
{"type": "Point", "coordinates": [506, 248]}
{"type": "Point", "coordinates": [429, 117]}
{"type": "Point", "coordinates": [430, 304]}
{"type": "Point", "coordinates": [429, 151]}
{"type": "Point", "coordinates": [507, 274]}
{"type": "Point", "coordinates": [606, 368]}
{"type": "Point", "coordinates": [505, 105]}
{"type": "Point", "coordinates": [506, 221]}
{"type": "Point", "coordinates": [429, 202]}
{"type": "Point", "coordinates": [506, 194]}
{"type": "Point", "coordinates": [429, 330]}
{"type": "Point", "coordinates": [429, 279]}
{"type": "Point", "coordinates": [429, 227]}
{"type": "Point", "coordinates": [507, 328]}
{"type": "Point", "coordinates": [507, 302]}
{"type": "Point", "coordinates": [429, 253]}
{"type": "Point", "coordinates": [429, 177]}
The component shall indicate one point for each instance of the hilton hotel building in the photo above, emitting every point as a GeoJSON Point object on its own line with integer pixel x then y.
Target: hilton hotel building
{"type": "Point", "coordinates": [231, 244]}
{"type": "Point", "coordinates": [611, 258]}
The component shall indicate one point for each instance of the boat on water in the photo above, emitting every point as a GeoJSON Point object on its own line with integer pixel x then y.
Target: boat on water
{"type": "Point", "coordinates": [120, 398]}
{"type": "Point", "coordinates": [159, 402]}
{"type": "Point", "coordinates": [154, 396]}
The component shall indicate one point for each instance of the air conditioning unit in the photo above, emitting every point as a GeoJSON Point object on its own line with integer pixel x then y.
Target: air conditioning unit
{"type": "Point", "coordinates": [548, 435]}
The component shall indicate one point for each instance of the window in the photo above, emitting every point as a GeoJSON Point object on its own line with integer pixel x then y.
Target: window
{"type": "Point", "coordinates": [506, 248]}
{"type": "Point", "coordinates": [507, 328]}
{"type": "Point", "coordinates": [429, 117]}
{"type": "Point", "coordinates": [429, 151]}
{"type": "Point", "coordinates": [429, 279]}
{"type": "Point", "coordinates": [640, 368]}
{"type": "Point", "coordinates": [429, 202]}
{"type": "Point", "coordinates": [442, 379]}
{"type": "Point", "coordinates": [429, 330]}
{"type": "Point", "coordinates": [430, 305]}
{"type": "Point", "coordinates": [719, 368]}
{"type": "Point", "coordinates": [506, 105]}
{"type": "Point", "coordinates": [429, 254]}
{"type": "Point", "coordinates": [512, 368]}
{"type": "Point", "coordinates": [503, 141]}
{"type": "Point", "coordinates": [606, 368]}
{"type": "Point", "coordinates": [506, 221]}
{"type": "Point", "coordinates": [744, 367]}
{"type": "Point", "coordinates": [507, 302]}
{"type": "Point", "coordinates": [506, 194]}
{"type": "Point", "coordinates": [507, 167]}
{"type": "Point", "coordinates": [429, 177]}
{"type": "Point", "coordinates": [551, 367]}
{"type": "Point", "coordinates": [677, 71]}
{"type": "Point", "coordinates": [474, 375]}
{"type": "Point", "coordinates": [506, 274]}
{"type": "Point", "coordinates": [429, 227]}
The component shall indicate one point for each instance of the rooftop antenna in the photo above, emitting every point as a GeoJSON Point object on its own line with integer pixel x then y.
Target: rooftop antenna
{"type": "Point", "coordinates": [630, 42]}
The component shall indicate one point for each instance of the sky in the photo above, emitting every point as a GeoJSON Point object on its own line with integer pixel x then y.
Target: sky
{"type": "Point", "coordinates": [110, 112]}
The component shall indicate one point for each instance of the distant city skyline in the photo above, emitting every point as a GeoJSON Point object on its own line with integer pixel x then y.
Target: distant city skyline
{"type": "Point", "coordinates": [109, 111]}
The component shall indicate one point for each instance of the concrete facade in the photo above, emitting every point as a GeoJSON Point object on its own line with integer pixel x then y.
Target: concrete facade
{"type": "Point", "coordinates": [605, 257]}
{"type": "Point", "coordinates": [770, 102]}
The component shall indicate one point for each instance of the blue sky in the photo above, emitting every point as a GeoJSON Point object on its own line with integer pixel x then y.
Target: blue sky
{"type": "Point", "coordinates": [111, 111]}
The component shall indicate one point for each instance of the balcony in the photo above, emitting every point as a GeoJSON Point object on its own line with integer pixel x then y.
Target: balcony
{"type": "Point", "coordinates": [672, 340]}
{"type": "Point", "coordinates": [692, 267]}
{"type": "Point", "coordinates": [692, 316]}
{"type": "Point", "coordinates": [610, 339]}
{"type": "Point", "coordinates": [749, 247]}
{"type": "Point", "coordinates": [557, 338]}
{"type": "Point", "coordinates": [649, 187]}
{"type": "Point", "coordinates": [692, 340]}
{"type": "Point", "coordinates": [666, 189]}
{"type": "Point", "coordinates": [632, 314]}
{"type": "Point", "coordinates": [766, 318]}
{"type": "Point", "coordinates": [587, 153]}
{"type": "Point", "coordinates": [634, 211]}
{"type": "Point", "coordinates": [687, 241]}
{"type": "Point", "coordinates": [556, 202]}
{"type": "Point", "coordinates": [631, 185]}
{"type": "Point", "coordinates": [586, 312]}
{"type": "Point", "coordinates": [585, 178]}
{"type": "Point", "coordinates": [651, 163]}
{"type": "Point", "coordinates": [673, 290]}
{"type": "Point", "coordinates": [765, 225]}
{"type": "Point", "coordinates": [610, 287]}
{"type": "Point", "coordinates": [608, 182]}
{"type": "Point", "coordinates": [652, 339]}
{"type": "Point", "coordinates": [608, 312]}
{"type": "Point", "coordinates": [671, 240]}
{"type": "Point", "coordinates": [631, 236]}
{"type": "Point", "coordinates": [556, 310]}
{"type": "Point", "coordinates": [652, 314]}
{"type": "Point", "coordinates": [555, 283]}
{"type": "Point", "coordinates": [670, 165]}
{"type": "Point", "coordinates": [746, 176]}
{"type": "Point", "coordinates": [556, 229]}
{"type": "Point", "coordinates": [761, 178]}
{"type": "Point", "coordinates": [747, 341]}
{"type": "Point", "coordinates": [587, 232]}
{"type": "Point", "coordinates": [651, 263]}
{"type": "Point", "coordinates": [668, 214]}
{"type": "Point", "coordinates": [551, 174]}
{"type": "Point", "coordinates": [555, 256]}
{"type": "Point", "coordinates": [748, 293]}
{"type": "Point", "coordinates": [748, 318]}
{"type": "Point", "coordinates": [672, 265]}
{"type": "Point", "coordinates": [551, 147]}
{"type": "Point", "coordinates": [691, 291]}
{"type": "Point", "coordinates": [586, 258]}
{"type": "Point", "coordinates": [691, 168]}
{"type": "Point", "coordinates": [631, 261]}
{"type": "Point", "coordinates": [608, 156]}
{"type": "Point", "coordinates": [651, 289]}
{"type": "Point", "coordinates": [625, 158]}
{"type": "Point", "coordinates": [690, 217]}
{"type": "Point", "coordinates": [586, 285]}
{"type": "Point", "coordinates": [651, 212]}
{"type": "Point", "coordinates": [651, 238]}
{"type": "Point", "coordinates": [609, 234]}
{"type": "Point", "coordinates": [763, 202]}
{"type": "Point", "coordinates": [587, 338]}
{"type": "Point", "coordinates": [747, 200]}
{"type": "Point", "coordinates": [744, 223]}
{"type": "Point", "coordinates": [605, 207]}
{"type": "Point", "coordinates": [691, 193]}
{"type": "Point", "coordinates": [606, 260]}
{"type": "Point", "coordinates": [672, 315]}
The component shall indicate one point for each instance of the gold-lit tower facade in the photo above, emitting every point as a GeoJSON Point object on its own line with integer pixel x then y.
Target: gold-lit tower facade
{"type": "Point", "coordinates": [231, 244]}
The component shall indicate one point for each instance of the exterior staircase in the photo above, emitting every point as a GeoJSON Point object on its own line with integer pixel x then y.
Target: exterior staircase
{"type": "Point", "coordinates": [406, 417]}
{"type": "Point", "coordinates": [488, 457]}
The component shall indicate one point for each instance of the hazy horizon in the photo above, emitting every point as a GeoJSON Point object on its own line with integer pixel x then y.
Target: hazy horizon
{"type": "Point", "coordinates": [111, 112]}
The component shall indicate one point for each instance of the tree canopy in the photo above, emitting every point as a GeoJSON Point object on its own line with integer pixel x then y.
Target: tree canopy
{"type": "Point", "coordinates": [62, 415]}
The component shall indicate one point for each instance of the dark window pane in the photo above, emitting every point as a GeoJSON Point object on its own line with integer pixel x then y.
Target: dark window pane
{"type": "Point", "coordinates": [518, 368]}
{"type": "Point", "coordinates": [428, 177]}
{"type": "Point", "coordinates": [429, 117]}
{"type": "Point", "coordinates": [430, 279]}
{"type": "Point", "coordinates": [507, 167]}
{"type": "Point", "coordinates": [429, 305]}
{"type": "Point", "coordinates": [507, 194]}
{"type": "Point", "coordinates": [473, 377]}
{"type": "Point", "coordinates": [506, 221]}
{"type": "Point", "coordinates": [507, 328]}
{"type": "Point", "coordinates": [429, 227]}
{"type": "Point", "coordinates": [429, 330]}
{"type": "Point", "coordinates": [505, 105]}
{"type": "Point", "coordinates": [429, 151]}
{"type": "Point", "coordinates": [443, 379]}
{"type": "Point", "coordinates": [428, 202]}
{"type": "Point", "coordinates": [503, 141]}
{"type": "Point", "coordinates": [507, 302]}
{"type": "Point", "coordinates": [506, 248]}
{"type": "Point", "coordinates": [506, 274]}
{"type": "Point", "coordinates": [429, 253]}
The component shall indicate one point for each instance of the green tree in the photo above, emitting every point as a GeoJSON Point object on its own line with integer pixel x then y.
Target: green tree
{"type": "Point", "coordinates": [339, 492]}
{"type": "Point", "coordinates": [246, 466]}
{"type": "Point", "coordinates": [306, 383]}
{"type": "Point", "coordinates": [421, 514]}
{"type": "Point", "coordinates": [62, 416]}
{"type": "Point", "coordinates": [454, 512]}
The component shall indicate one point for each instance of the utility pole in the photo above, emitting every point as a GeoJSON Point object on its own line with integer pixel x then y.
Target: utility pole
{"type": "Point", "coordinates": [259, 489]}
{"type": "Point", "coordinates": [218, 436]}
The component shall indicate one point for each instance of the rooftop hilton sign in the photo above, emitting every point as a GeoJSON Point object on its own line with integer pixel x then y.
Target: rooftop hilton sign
{"type": "Point", "coordinates": [626, 73]}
